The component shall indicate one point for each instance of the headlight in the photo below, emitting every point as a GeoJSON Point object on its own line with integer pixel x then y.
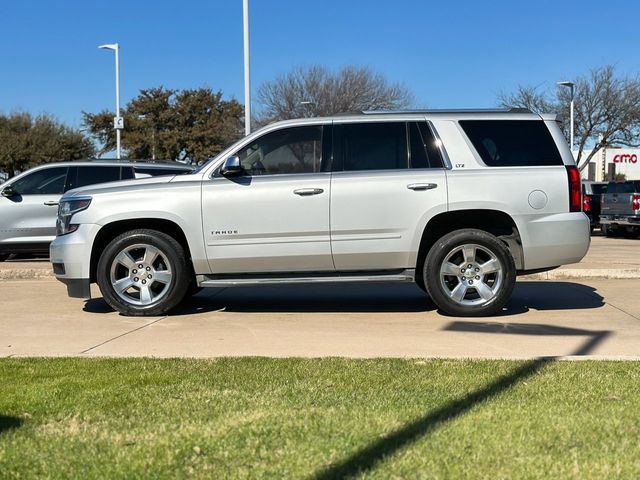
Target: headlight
{"type": "Point", "coordinates": [66, 210]}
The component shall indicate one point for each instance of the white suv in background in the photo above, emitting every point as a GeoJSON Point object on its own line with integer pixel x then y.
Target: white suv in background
{"type": "Point", "coordinates": [29, 201]}
{"type": "Point", "coordinates": [459, 202]}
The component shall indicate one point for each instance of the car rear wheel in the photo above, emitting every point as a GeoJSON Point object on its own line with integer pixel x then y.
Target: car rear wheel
{"type": "Point", "coordinates": [469, 273]}
{"type": "Point", "coordinates": [143, 273]}
{"type": "Point", "coordinates": [4, 256]}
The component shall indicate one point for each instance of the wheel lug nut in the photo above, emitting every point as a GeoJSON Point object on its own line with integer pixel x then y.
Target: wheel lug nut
{"type": "Point", "coordinates": [148, 269]}
{"type": "Point", "coordinates": [144, 281]}
{"type": "Point", "coordinates": [136, 279]}
{"type": "Point", "coordinates": [477, 277]}
{"type": "Point", "coordinates": [469, 266]}
{"type": "Point", "coordinates": [149, 276]}
{"type": "Point", "coordinates": [477, 269]}
{"type": "Point", "coordinates": [470, 282]}
{"type": "Point", "coordinates": [140, 266]}
{"type": "Point", "coordinates": [135, 271]}
{"type": "Point", "coordinates": [463, 270]}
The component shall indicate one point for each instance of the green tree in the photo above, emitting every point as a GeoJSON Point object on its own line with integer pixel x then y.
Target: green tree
{"type": "Point", "coordinates": [187, 125]}
{"type": "Point", "coordinates": [26, 141]}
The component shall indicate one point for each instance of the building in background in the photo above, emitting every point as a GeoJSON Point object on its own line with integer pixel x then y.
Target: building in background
{"type": "Point", "coordinates": [610, 162]}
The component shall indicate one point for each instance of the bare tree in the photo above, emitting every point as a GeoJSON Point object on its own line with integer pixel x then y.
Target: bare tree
{"type": "Point", "coordinates": [318, 91]}
{"type": "Point", "coordinates": [606, 110]}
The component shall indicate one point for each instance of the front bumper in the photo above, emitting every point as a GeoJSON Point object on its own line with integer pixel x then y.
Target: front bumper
{"type": "Point", "coordinates": [71, 259]}
{"type": "Point", "coordinates": [630, 221]}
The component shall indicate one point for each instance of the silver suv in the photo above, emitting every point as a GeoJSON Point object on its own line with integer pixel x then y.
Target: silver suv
{"type": "Point", "coordinates": [459, 202]}
{"type": "Point", "coordinates": [29, 201]}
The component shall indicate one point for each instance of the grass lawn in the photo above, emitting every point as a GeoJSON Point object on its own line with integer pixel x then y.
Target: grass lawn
{"type": "Point", "coordinates": [329, 418]}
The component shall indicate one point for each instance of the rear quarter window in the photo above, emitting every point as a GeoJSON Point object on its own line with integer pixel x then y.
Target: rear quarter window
{"type": "Point", "coordinates": [512, 143]}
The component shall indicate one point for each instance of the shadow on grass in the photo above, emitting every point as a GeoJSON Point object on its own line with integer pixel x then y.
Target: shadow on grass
{"type": "Point", "coordinates": [9, 423]}
{"type": "Point", "coordinates": [369, 456]}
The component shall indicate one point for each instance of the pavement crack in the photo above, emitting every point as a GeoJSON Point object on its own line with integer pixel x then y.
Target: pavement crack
{"type": "Point", "coordinates": [122, 335]}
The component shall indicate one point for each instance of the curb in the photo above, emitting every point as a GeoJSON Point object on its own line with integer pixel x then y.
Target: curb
{"type": "Point", "coordinates": [25, 274]}
{"type": "Point", "coordinates": [586, 273]}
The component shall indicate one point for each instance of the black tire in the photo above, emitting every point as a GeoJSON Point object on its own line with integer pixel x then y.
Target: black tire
{"type": "Point", "coordinates": [442, 287]}
{"type": "Point", "coordinates": [4, 256]}
{"type": "Point", "coordinates": [171, 262]}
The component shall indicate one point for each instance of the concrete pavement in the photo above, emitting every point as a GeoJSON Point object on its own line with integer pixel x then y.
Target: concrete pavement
{"type": "Point", "coordinates": [598, 319]}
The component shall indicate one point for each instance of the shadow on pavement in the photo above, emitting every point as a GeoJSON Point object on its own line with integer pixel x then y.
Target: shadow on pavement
{"type": "Point", "coordinates": [368, 457]}
{"type": "Point", "coordinates": [9, 423]}
{"type": "Point", "coordinates": [368, 298]}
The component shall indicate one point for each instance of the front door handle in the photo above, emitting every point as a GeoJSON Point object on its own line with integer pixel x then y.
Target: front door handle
{"type": "Point", "coordinates": [51, 203]}
{"type": "Point", "coordinates": [305, 192]}
{"type": "Point", "coordinates": [422, 186]}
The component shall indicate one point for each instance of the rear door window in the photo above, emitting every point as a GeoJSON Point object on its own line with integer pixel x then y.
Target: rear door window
{"type": "Point", "coordinates": [96, 174]}
{"type": "Point", "coordinates": [424, 151]}
{"type": "Point", "coordinates": [371, 146]}
{"type": "Point", "coordinates": [512, 143]}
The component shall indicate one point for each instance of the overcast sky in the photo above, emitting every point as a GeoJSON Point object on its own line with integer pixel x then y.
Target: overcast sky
{"type": "Point", "coordinates": [450, 54]}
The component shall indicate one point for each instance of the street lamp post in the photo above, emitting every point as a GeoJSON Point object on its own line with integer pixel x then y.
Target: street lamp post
{"type": "Point", "coordinates": [571, 86]}
{"type": "Point", "coordinates": [247, 76]}
{"type": "Point", "coordinates": [118, 121]}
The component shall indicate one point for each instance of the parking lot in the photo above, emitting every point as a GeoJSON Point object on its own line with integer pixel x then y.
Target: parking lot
{"type": "Point", "coordinates": [559, 314]}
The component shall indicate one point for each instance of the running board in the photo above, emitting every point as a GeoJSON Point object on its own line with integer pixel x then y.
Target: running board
{"type": "Point", "coordinates": [297, 278]}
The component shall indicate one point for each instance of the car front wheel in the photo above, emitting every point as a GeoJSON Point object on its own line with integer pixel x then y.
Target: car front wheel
{"type": "Point", "coordinates": [143, 273]}
{"type": "Point", "coordinates": [469, 273]}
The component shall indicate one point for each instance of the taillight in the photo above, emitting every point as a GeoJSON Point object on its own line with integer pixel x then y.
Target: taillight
{"type": "Point", "coordinates": [586, 203]}
{"type": "Point", "coordinates": [575, 189]}
{"type": "Point", "coordinates": [636, 202]}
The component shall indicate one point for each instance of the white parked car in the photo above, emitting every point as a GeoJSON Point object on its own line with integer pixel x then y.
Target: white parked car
{"type": "Point", "coordinates": [459, 202]}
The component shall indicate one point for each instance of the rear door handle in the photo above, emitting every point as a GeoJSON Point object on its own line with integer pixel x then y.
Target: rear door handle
{"type": "Point", "coordinates": [305, 192]}
{"type": "Point", "coordinates": [51, 203]}
{"type": "Point", "coordinates": [422, 186]}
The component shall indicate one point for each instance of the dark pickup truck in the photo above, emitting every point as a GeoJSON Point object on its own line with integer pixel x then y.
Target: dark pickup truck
{"type": "Point", "coordinates": [620, 209]}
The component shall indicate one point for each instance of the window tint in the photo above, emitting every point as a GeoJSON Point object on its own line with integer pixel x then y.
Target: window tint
{"type": "Point", "coordinates": [154, 172]}
{"type": "Point", "coordinates": [374, 146]}
{"type": "Point", "coordinates": [127, 173]}
{"type": "Point", "coordinates": [291, 150]}
{"type": "Point", "coordinates": [623, 187]}
{"type": "Point", "coordinates": [512, 143]}
{"type": "Point", "coordinates": [599, 189]}
{"type": "Point", "coordinates": [96, 174]}
{"type": "Point", "coordinates": [425, 152]}
{"type": "Point", "coordinates": [48, 181]}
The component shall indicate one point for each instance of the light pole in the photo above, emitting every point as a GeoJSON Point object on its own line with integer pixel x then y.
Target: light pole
{"type": "Point", "coordinates": [118, 121]}
{"type": "Point", "coordinates": [247, 76]}
{"type": "Point", "coordinates": [571, 86]}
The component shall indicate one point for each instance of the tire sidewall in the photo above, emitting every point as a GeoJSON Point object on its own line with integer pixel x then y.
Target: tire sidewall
{"type": "Point", "coordinates": [439, 252]}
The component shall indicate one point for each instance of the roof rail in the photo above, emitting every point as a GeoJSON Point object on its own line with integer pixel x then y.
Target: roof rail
{"type": "Point", "coordinates": [444, 110]}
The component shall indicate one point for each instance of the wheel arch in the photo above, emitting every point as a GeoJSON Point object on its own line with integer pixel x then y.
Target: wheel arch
{"type": "Point", "coordinates": [495, 222]}
{"type": "Point", "coordinates": [111, 230]}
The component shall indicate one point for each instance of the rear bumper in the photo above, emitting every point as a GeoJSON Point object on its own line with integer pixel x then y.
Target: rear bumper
{"type": "Point", "coordinates": [553, 240]}
{"type": "Point", "coordinates": [620, 220]}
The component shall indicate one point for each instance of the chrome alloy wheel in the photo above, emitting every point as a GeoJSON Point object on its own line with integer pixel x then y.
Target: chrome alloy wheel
{"type": "Point", "coordinates": [471, 275]}
{"type": "Point", "coordinates": [141, 274]}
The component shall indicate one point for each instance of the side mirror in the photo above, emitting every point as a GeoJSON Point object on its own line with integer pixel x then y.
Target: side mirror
{"type": "Point", "coordinates": [231, 167]}
{"type": "Point", "coordinates": [8, 191]}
